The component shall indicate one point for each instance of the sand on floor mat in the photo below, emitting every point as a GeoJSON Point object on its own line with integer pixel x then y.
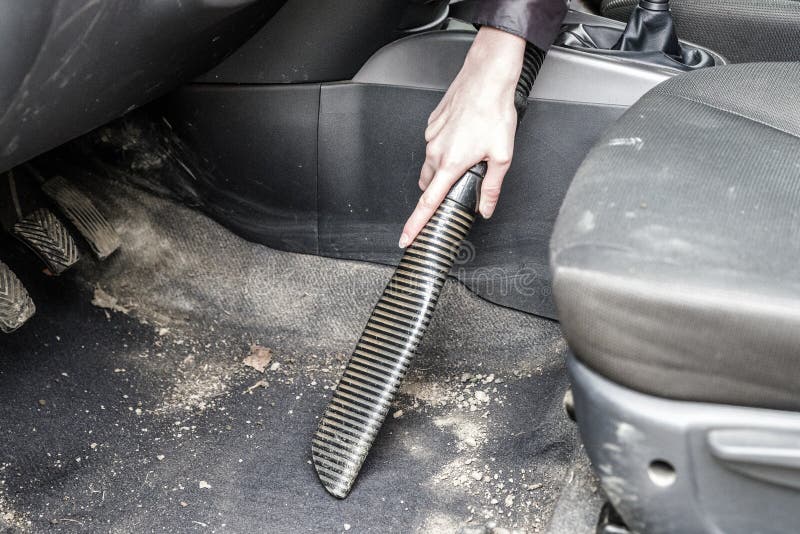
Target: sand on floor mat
{"type": "Point", "coordinates": [127, 404]}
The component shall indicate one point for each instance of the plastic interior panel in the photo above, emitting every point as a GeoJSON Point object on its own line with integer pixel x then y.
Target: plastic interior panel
{"type": "Point", "coordinates": [432, 60]}
{"type": "Point", "coordinates": [624, 432]}
{"type": "Point", "coordinates": [410, 62]}
{"type": "Point", "coordinates": [371, 149]}
{"type": "Point", "coordinates": [259, 147]}
{"type": "Point", "coordinates": [253, 154]}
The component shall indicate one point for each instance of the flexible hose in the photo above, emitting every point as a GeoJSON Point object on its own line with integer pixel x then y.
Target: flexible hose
{"type": "Point", "coordinates": [399, 320]}
{"type": "Point", "coordinates": [531, 65]}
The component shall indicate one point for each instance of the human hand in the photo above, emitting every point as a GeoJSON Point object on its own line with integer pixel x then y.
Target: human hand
{"type": "Point", "coordinates": [475, 121]}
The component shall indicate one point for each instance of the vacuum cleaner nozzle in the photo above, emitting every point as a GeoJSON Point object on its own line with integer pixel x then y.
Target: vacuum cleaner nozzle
{"type": "Point", "coordinates": [394, 330]}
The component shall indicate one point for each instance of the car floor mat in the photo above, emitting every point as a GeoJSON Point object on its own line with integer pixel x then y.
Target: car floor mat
{"type": "Point", "coordinates": [130, 404]}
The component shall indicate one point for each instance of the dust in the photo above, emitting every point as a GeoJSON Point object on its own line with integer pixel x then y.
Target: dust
{"type": "Point", "coordinates": [470, 434]}
{"type": "Point", "coordinates": [527, 368]}
{"type": "Point", "coordinates": [151, 246]}
{"type": "Point", "coordinates": [205, 371]}
{"type": "Point", "coordinates": [202, 292]}
{"type": "Point", "coordinates": [496, 496]}
{"type": "Point", "coordinates": [104, 300]}
{"type": "Point", "coordinates": [510, 497]}
{"type": "Point", "coordinates": [10, 519]}
{"type": "Point", "coordinates": [438, 523]}
{"type": "Point", "coordinates": [195, 389]}
{"type": "Point", "coordinates": [432, 393]}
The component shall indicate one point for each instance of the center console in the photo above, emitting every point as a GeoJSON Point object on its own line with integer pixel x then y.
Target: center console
{"type": "Point", "coordinates": [348, 145]}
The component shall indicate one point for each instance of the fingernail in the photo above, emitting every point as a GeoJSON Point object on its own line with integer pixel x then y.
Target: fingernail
{"type": "Point", "coordinates": [486, 214]}
{"type": "Point", "coordinates": [404, 240]}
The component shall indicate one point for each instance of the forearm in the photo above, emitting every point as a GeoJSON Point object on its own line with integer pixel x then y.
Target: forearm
{"type": "Point", "coordinates": [498, 54]}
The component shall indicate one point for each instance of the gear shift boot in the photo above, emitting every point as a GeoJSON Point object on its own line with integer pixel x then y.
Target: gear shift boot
{"type": "Point", "coordinates": [650, 31]}
{"type": "Point", "coordinates": [649, 37]}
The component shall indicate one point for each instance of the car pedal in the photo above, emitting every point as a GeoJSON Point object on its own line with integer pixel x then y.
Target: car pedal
{"type": "Point", "coordinates": [16, 305]}
{"type": "Point", "coordinates": [81, 211]}
{"type": "Point", "coordinates": [49, 239]}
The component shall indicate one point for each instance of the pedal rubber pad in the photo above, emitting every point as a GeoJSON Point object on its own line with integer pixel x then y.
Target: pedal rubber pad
{"type": "Point", "coordinates": [49, 239]}
{"type": "Point", "coordinates": [81, 212]}
{"type": "Point", "coordinates": [16, 305]}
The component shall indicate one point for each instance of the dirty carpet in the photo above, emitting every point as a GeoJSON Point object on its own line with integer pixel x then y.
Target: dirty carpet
{"type": "Point", "coordinates": [175, 387]}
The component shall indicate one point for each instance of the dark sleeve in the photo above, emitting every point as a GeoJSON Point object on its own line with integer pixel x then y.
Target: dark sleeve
{"type": "Point", "coordinates": [537, 21]}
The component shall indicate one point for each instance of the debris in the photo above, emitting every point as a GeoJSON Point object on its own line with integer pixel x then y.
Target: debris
{"type": "Point", "coordinates": [259, 358]}
{"type": "Point", "coordinates": [347, 526]}
{"type": "Point", "coordinates": [159, 457]}
{"type": "Point", "coordinates": [204, 485]}
{"type": "Point", "coordinates": [275, 366]}
{"type": "Point", "coordinates": [470, 434]}
{"type": "Point", "coordinates": [398, 414]}
{"type": "Point", "coordinates": [509, 502]}
{"type": "Point", "coordinates": [105, 301]}
{"type": "Point", "coordinates": [477, 475]}
{"type": "Point", "coordinates": [42, 402]}
{"type": "Point", "coordinates": [260, 384]}
{"type": "Point", "coordinates": [163, 331]}
{"type": "Point", "coordinates": [184, 504]}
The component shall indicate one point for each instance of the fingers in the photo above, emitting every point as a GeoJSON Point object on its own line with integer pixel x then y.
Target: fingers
{"type": "Point", "coordinates": [433, 159]}
{"type": "Point", "coordinates": [426, 175]}
{"type": "Point", "coordinates": [492, 183]}
{"type": "Point", "coordinates": [434, 128]}
{"type": "Point", "coordinates": [428, 204]}
{"type": "Point", "coordinates": [437, 112]}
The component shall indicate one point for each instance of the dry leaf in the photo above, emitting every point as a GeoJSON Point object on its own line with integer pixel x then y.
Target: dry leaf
{"type": "Point", "coordinates": [259, 358]}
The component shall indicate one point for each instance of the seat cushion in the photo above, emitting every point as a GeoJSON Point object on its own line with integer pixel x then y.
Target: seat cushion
{"type": "Point", "coordinates": [740, 30]}
{"type": "Point", "coordinates": [676, 254]}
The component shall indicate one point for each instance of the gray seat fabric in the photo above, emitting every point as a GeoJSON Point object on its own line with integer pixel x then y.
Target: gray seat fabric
{"type": "Point", "coordinates": [676, 254]}
{"type": "Point", "coordinates": [740, 30]}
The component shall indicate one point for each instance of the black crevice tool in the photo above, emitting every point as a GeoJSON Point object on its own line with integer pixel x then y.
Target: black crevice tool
{"type": "Point", "coordinates": [390, 339]}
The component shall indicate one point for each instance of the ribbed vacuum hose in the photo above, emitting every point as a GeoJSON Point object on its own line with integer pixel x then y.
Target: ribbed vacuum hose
{"type": "Point", "coordinates": [531, 65]}
{"type": "Point", "coordinates": [381, 358]}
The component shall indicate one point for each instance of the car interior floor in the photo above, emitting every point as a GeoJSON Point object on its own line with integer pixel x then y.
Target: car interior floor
{"type": "Point", "coordinates": [130, 405]}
